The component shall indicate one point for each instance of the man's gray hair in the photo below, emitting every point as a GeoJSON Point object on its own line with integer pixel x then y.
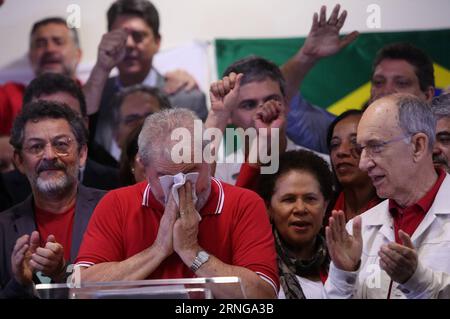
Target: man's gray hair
{"type": "Point", "coordinates": [155, 137]}
{"type": "Point", "coordinates": [415, 116]}
{"type": "Point", "coordinates": [440, 106]}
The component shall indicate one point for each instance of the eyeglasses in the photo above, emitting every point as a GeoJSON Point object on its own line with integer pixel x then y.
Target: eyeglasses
{"type": "Point", "coordinates": [374, 148]}
{"type": "Point", "coordinates": [61, 146]}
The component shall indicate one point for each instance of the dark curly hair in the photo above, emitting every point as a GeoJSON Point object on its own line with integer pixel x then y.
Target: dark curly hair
{"type": "Point", "coordinates": [51, 83]}
{"type": "Point", "coordinates": [45, 109]}
{"type": "Point", "coordinates": [299, 160]}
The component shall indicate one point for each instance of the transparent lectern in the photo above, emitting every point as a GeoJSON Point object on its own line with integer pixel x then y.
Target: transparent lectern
{"type": "Point", "coordinates": [192, 288]}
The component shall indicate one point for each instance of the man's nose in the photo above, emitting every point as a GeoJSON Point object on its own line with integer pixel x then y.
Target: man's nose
{"type": "Point", "coordinates": [130, 41]}
{"type": "Point", "coordinates": [50, 46]}
{"type": "Point", "coordinates": [388, 89]}
{"type": "Point", "coordinates": [365, 162]}
{"type": "Point", "coordinates": [49, 152]}
{"type": "Point", "coordinates": [344, 149]}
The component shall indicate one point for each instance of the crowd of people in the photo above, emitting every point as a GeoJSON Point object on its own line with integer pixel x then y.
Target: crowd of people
{"type": "Point", "coordinates": [356, 207]}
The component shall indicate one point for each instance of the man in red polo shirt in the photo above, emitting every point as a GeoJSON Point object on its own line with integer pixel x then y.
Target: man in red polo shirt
{"type": "Point", "coordinates": [399, 248]}
{"type": "Point", "coordinates": [182, 223]}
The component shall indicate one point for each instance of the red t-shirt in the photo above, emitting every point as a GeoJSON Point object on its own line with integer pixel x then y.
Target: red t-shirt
{"type": "Point", "coordinates": [409, 218]}
{"type": "Point", "coordinates": [59, 225]}
{"type": "Point", "coordinates": [234, 228]}
{"type": "Point", "coordinates": [11, 96]}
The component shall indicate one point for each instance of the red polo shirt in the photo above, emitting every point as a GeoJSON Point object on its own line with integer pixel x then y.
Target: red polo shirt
{"type": "Point", "coordinates": [409, 218]}
{"type": "Point", "coordinates": [234, 228]}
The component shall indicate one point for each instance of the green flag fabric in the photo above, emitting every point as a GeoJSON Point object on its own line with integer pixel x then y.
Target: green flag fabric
{"type": "Point", "coordinates": [342, 81]}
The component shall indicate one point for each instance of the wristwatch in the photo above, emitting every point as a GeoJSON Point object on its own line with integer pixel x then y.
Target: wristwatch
{"type": "Point", "coordinates": [202, 257]}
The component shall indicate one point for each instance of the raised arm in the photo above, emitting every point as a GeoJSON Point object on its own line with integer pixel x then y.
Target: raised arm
{"type": "Point", "coordinates": [111, 51]}
{"type": "Point", "coordinates": [224, 96]}
{"type": "Point", "coordinates": [323, 40]}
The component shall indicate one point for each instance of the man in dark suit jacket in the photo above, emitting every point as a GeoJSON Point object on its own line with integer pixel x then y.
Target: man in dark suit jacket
{"type": "Point", "coordinates": [19, 220]}
{"type": "Point", "coordinates": [134, 60]}
{"type": "Point", "coordinates": [40, 237]}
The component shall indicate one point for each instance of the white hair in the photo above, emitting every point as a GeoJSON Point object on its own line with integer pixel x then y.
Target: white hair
{"type": "Point", "coordinates": [155, 137]}
{"type": "Point", "coordinates": [415, 116]}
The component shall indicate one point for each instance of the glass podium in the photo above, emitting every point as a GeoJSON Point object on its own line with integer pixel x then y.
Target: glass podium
{"type": "Point", "coordinates": [192, 288]}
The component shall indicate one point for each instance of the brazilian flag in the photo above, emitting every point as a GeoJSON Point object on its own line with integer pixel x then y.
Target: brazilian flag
{"type": "Point", "coordinates": [341, 82]}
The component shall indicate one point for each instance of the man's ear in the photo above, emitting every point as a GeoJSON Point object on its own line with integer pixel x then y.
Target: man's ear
{"type": "Point", "coordinates": [83, 155]}
{"type": "Point", "coordinates": [429, 93]}
{"type": "Point", "coordinates": [18, 161]}
{"type": "Point", "coordinates": [419, 142]}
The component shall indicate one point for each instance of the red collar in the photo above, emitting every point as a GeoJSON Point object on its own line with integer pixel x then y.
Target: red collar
{"type": "Point", "coordinates": [424, 204]}
{"type": "Point", "coordinates": [213, 206]}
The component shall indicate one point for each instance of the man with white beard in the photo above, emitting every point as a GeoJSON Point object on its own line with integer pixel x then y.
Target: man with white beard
{"type": "Point", "coordinates": [40, 237]}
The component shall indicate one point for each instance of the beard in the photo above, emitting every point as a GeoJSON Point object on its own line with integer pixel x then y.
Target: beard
{"type": "Point", "coordinates": [55, 185]}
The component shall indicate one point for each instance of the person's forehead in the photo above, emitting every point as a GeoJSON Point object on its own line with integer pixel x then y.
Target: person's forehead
{"type": "Point", "coordinates": [46, 128]}
{"type": "Point", "coordinates": [51, 30]}
{"type": "Point", "coordinates": [348, 124]}
{"type": "Point", "coordinates": [395, 67]}
{"type": "Point", "coordinates": [443, 124]}
{"type": "Point", "coordinates": [163, 165]}
{"type": "Point", "coordinates": [297, 181]}
{"type": "Point", "coordinates": [62, 97]}
{"type": "Point", "coordinates": [132, 22]}
{"type": "Point", "coordinates": [379, 121]}
{"type": "Point", "coordinates": [259, 89]}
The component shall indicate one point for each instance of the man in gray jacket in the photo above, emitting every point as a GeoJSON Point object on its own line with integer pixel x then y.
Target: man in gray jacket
{"type": "Point", "coordinates": [40, 237]}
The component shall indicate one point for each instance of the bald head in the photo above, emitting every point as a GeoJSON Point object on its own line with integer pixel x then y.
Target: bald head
{"type": "Point", "coordinates": [396, 134]}
{"type": "Point", "coordinates": [401, 111]}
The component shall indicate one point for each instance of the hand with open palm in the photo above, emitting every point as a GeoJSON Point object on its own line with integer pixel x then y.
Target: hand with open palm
{"type": "Point", "coordinates": [345, 250]}
{"type": "Point", "coordinates": [323, 39]}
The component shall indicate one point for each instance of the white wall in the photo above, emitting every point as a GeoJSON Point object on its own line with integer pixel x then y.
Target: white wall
{"type": "Point", "coordinates": [185, 20]}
